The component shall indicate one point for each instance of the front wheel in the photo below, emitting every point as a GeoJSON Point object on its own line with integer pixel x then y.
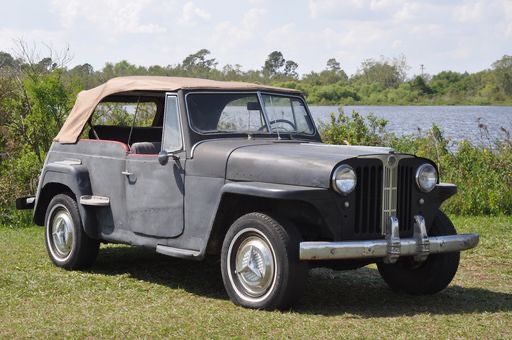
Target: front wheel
{"type": "Point", "coordinates": [260, 263]}
{"type": "Point", "coordinates": [428, 277]}
{"type": "Point", "coordinates": [67, 244]}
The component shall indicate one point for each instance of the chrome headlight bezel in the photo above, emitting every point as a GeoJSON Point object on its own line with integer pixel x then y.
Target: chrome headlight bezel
{"type": "Point", "coordinates": [343, 170]}
{"type": "Point", "coordinates": [420, 177]}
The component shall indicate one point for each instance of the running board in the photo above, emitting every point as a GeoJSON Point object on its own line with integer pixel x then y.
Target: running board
{"type": "Point", "coordinates": [178, 252]}
{"type": "Point", "coordinates": [95, 201]}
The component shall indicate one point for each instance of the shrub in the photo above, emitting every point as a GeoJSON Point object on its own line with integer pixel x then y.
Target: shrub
{"type": "Point", "coordinates": [356, 129]}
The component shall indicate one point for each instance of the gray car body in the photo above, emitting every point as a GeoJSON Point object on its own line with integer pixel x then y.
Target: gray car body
{"type": "Point", "coordinates": [182, 204]}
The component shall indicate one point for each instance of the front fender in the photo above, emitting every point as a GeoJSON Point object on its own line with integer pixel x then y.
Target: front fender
{"type": "Point", "coordinates": [232, 193]}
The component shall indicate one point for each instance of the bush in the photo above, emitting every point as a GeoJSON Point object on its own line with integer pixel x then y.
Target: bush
{"type": "Point", "coordinates": [18, 178]}
{"type": "Point", "coordinates": [356, 130]}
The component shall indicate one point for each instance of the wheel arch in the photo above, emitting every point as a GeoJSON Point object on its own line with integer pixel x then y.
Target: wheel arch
{"type": "Point", "coordinates": [289, 205]}
{"type": "Point", "coordinates": [70, 179]}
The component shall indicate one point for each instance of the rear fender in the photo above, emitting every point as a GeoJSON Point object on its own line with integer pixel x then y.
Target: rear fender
{"type": "Point", "coordinates": [59, 177]}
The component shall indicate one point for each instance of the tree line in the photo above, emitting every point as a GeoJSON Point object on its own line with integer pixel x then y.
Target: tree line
{"type": "Point", "coordinates": [381, 81]}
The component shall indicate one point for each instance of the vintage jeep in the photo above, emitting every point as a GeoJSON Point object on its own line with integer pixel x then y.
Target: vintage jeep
{"type": "Point", "coordinates": [191, 167]}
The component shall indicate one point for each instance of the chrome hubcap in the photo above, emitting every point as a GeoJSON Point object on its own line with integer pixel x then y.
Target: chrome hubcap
{"type": "Point", "coordinates": [62, 232]}
{"type": "Point", "coordinates": [254, 266]}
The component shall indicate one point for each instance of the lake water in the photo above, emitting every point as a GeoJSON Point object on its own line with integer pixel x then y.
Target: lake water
{"type": "Point", "coordinates": [457, 122]}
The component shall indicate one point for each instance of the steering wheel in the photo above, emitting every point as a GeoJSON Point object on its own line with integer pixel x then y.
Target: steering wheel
{"type": "Point", "coordinates": [275, 121]}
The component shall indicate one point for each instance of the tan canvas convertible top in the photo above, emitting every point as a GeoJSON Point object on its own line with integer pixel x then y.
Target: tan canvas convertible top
{"type": "Point", "coordinates": [86, 101]}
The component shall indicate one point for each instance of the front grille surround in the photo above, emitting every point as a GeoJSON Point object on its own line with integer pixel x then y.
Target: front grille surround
{"type": "Point", "coordinates": [385, 185]}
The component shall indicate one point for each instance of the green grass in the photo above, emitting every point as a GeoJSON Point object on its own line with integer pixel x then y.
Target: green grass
{"type": "Point", "coordinates": [133, 292]}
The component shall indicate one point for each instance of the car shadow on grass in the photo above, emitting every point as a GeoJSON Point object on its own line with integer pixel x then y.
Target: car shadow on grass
{"type": "Point", "coordinates": [358, 292]}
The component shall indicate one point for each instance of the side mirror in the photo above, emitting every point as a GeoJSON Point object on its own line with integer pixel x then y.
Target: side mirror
{"type": "Point", "coordinates": [163, 157]}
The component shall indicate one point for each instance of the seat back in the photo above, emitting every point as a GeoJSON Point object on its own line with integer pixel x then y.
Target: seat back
{"type": "Point", "coordinates": [146, 148]}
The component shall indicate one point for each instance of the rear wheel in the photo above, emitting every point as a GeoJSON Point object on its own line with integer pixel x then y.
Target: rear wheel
{"type": "Point", "coordinates": [260, 263]}
{"type": "Point", "coordinates": [67, 244]}
{"type": "Point", "coordinates": [428, 277]}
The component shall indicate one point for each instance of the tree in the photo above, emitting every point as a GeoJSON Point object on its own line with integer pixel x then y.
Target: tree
{"type": "Point", "coordinates": [290, 69]}
{"type": "Point", "coordinates": [199, 61]}
{"type": "Point", "coordinates": [232, 72]}
{"type": "Point", "coordinates": [503, 74]}
{"type": "Point", "coordinates": [6, 60]}
{"type": "Point", "coordinates": [389, 74]}
{"type": "Point", "coordinates": [419, 84]}
{"type": "Point", "coordinates": [273, 64]}
{"type": "Point", "coordinates": [277, 67]}
{"type": "Point", "coordinates": [333, 65]}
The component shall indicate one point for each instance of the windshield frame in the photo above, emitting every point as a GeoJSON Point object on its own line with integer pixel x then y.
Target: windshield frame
{"type": "Point", "coordinates": [270, 131]}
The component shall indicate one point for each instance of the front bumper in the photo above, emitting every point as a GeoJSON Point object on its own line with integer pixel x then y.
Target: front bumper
{"type": "Point", "coordinates": [391, 248]}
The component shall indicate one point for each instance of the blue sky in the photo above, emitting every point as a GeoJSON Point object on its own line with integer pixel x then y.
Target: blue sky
{"type": "Point", "coordinates": [464, 35]}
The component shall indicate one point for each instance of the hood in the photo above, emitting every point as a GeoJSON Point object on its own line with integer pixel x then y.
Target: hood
{"type": "Point", "coordinates": [293, 163]}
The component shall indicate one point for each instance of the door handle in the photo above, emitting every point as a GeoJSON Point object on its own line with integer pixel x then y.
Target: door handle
{"type": "Point", "coordinates": [126, 173]}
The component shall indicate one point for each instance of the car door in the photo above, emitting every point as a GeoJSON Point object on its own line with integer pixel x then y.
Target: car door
{"type": "Point", "coordinates": [155, 192]}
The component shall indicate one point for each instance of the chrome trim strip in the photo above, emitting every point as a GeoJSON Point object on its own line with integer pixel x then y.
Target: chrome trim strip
{"type": "Point", "coordinates": [69, 161]}
{"type": "Point", "coordinates": [177, 252]}
{"type": "Point", "coordinates": [96, 201]}
{"type": "Point", "coordinates": [380, 248]}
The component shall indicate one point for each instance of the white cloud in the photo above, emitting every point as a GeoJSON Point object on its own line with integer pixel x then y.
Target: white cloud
{"type": "Point", "coordinates": [469, 12]}
{"type": "Point", "coordinates": [507, 12]}
{"type": "Point", "coordinates": [396, 44]}
{"type": "Point", "coordinates": [353, 9]}
{"type": "Point", "coordinates": [228, 35]}
{"type": "Point", "coordinates": [191, 13]}
{"type": "Point", "coordinates": [112, 16]}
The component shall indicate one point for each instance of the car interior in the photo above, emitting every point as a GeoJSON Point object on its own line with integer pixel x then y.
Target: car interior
{"type": "Point", "coordinates": [135, 119]}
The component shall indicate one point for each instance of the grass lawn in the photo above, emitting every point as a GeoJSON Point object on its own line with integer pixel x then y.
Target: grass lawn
{"type": "Point", "coordinates": [133, 292]}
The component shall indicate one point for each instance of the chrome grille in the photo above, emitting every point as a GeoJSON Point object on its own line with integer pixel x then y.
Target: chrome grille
{"type": "Point", "coordinates": [383, 190]}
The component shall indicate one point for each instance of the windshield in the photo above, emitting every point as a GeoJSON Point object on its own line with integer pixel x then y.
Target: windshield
{"type": "Point", "coordinates": [242, 113]}
{"type": "Point", "coordinates": [221, 112]}
{"type": "Point", "coordinates": [287, 114]}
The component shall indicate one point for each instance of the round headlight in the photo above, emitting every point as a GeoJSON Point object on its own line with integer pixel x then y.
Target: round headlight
{"type": "Point", "coordinates": [426, 177]}
{"type": "Point", "coordinates": [344, 179]}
